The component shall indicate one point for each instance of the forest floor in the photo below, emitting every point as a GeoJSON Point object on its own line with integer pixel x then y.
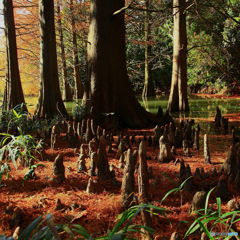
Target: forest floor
{"type": "Point", "coordinates": [98, 211]}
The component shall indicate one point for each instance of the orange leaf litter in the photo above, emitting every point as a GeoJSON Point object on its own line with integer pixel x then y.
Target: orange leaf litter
{"type": "Point", "coordinates": [97, 212]}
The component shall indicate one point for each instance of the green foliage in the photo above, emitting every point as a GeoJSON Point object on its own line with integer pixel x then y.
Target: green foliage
{"type": "Point", "coordinates": [213, 40]}
{"type": "Point", "coordinates": [17, 117]}
{"type": "Point", "coordinates": [30, 174]}
{"type": "Point", "coordinates": [160, 42]}
{"type": "Point", "coordinates": [79, 111]}
{"type": "Point", "coordinates": [4, 168]}
{"type": "Point", "coordinates": [45, 229]}
{"type": "Point", "coordinates": [216, 217]}
{"type": "Point", "coordinates": [179, 188]}
{"type": "Point", "coordinates": [20, 146]}
{"type": "Point", "coordinates": [16, 146]}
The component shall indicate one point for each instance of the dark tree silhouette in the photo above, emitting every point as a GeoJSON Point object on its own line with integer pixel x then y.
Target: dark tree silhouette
{"type": "Point", "coordinates": [13, 93]}
{"type": "Point", "coordinates": [108, 88]}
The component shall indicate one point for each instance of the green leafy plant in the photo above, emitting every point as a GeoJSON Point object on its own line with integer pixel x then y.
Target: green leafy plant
{"type": "Point", "coordinates": [216, 217]}
{"type": "Point", "coordinates": [46, 232]}
{"type": "Point", "coordinates": [20, 146]}
{"type": "Point", "coordinates": [179, 188]}
{"type": "Point", "coordinates": [17, 117]}
{"type": "Point", "coordinates": [4, 168]}
{"type": "Point", "coordinates": [79, 111]}
{"type": "Point", "coordinates": [123, 228]}
{"type": "Point", "coordinates": [30, 174]}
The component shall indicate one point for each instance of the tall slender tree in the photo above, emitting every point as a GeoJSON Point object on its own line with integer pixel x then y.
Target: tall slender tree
{"type": "Point", "coordinates": [78, 84]}
{"type": "Point", "coordinates": [178, 100]}
{"type": "Point", "coordinates": [108, 88]}
{"type": "Point", "coordinates": [50, 100]}
{"type": "Point", "coordinates": [67, 94]}
{"type": "Point", "coordinates": [148, 88]}
{"type": "Point", "coordinates": [13, 93]}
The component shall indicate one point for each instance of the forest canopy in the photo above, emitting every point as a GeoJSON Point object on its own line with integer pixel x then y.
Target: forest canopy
{"type": "Point", "coordinates": [212, 52]}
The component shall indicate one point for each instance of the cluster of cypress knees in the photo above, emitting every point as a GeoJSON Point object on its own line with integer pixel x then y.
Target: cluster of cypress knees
{"type": "Point", "coordinates": [95, 143]}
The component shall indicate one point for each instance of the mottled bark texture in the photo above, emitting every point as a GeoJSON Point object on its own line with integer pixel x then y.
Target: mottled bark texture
{"type": "Point", "coordinates": [206, 150]}
{"type": "Point", "coordinates": [222, 189]}
{"type": "Point", "coordinates": [59, 169]}
{"type": "Point", "coordinates": [127, 190]}
{"type": "Point", "coordinates": [230, 166]}
{"type": "Point", "coordinates": [102, 164]}
{"type": "Point", "coordinates": [165, 154]}
{"type": "Point", "coordinates": [107, 81]}
{"type": "Point", "coordinates": [198, 201]}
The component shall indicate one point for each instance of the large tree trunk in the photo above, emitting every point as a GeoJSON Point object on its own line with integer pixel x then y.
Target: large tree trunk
{"type": "Point", "coordinates": [67, 94]}
{"type": "Point", "coordinates": [78, 84]}
{"type": "Point", "coordinates": [178, 100]}
{"type": "Point", "coordinates": [148, 89]}
{"type": "Point", "coordinates": [108, 88]}
{"type": "Point", "coordinates": [50, 100]}
{"type": "Point", "coordinates": [13, 93]}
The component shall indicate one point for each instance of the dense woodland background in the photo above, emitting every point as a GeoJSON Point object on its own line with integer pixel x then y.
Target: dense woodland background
{"type": "Point", "coordinates": [212, 35]}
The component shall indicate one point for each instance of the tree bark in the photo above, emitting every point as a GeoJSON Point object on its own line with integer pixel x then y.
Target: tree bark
{"type": "Point", "coordinates": [178, 100]}
{"type": "Point", "coordinates": [78, 84]}
{"type": "Point", "coordinates": [67, 94]}
{"type": "Point", "coordinates": [148, 89]}
{"type": "Point", "coordinates": [50, 100]}
{"type": "Point", "coordinates": [13, 92]}
{"type": "Point", "coordinates": [108, 88]}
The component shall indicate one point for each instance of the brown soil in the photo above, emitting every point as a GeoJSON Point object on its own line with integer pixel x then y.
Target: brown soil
{"type": "Point", "coordinates": [98, 211]}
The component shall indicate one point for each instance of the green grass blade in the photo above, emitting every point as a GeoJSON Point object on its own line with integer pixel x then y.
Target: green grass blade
{"type": "Point", "coordinates": [40, 234]}
{"type": "Point", "coordinates": [81, 230]}
{"type": "Point", "coordinates": [161, 211]}
{"type": "Point", "coordinates": [1, 174]}
{"type": "Point", "coordinates": [140, 207]}
{"type": "Point", "coordinates": [12, 155]}
{"type": "Point", "coordinates": [170, 178]}
{"type": "Point", "coordinates": [207, 199]}
{"type": "Point", "coordinates": [4, 140]}
{"type": "Point", "coordinates": [227, 214]}
{"type": "Point", "coordinates": [182, 184]}
{"type": "Point", "coordinates": [135, 228]}
{"type": "Point", "coordinates": [66, 229]}
{"type": "Point", "coordinates": [124, 218]}
{"type": "Point", "coordinates": [204, 229]}
{"type": "Point", "coordinates": [16, 114]}
{"type": "Point", "coordinates": [193, 227]}
{"type": "Point", "coordinates": [28, 231]}
{"type": "Point", "coordinates": [219, 206]}
{"type": "Point", "coordinates": [39, 165]}
{"type": "Point", "coordinates": [168, 193]}
{"type": "Point", "coordinates": [209, 219]}
{"type": "Point", "coordinates": [52, 227]}
{"type": "Point", "coordinates": [237, 220]}
{"type": "Point", "coordinates": [25, 176]}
